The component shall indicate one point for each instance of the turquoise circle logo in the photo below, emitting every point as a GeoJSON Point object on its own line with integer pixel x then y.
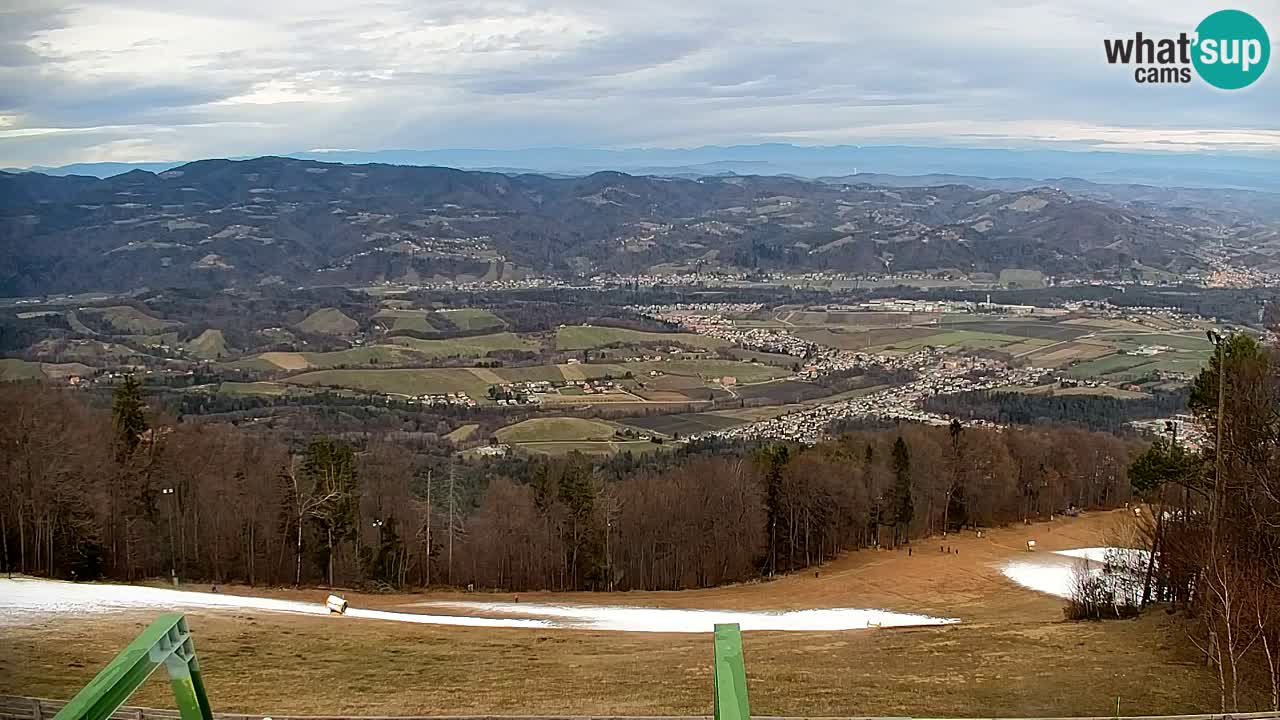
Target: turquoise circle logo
{"type": "Point", "coordinates": [1232, 49]}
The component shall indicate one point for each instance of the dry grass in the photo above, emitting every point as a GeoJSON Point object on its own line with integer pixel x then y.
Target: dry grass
{"type": "Point", "coordinates": [1012, 655]}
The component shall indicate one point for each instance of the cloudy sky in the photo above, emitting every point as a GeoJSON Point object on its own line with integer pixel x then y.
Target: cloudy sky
{"type": "Point", "coordinates": [138, 80]}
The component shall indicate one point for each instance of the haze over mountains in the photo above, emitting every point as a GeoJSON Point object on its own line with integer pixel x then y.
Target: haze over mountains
{"type": "Point", "coordinates": [1161, 169]}
{"type": "Point", "coordinates": [220, 223]}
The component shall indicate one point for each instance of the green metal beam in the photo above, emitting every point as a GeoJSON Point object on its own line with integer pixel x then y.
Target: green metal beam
{"type": "Point", "coordinates": [166, 642]}
{"type": "Point", "coordinates": [730, 675]}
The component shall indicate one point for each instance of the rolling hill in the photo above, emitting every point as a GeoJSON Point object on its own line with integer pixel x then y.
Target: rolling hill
{"type": "Point", "coordinates": [272, 220]}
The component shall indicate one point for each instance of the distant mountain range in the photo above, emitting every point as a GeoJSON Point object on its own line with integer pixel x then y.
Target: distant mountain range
{"type": "Point", "coordinates": [222, 223]}
{"type": "Point", "coordinates": [1158, 169]}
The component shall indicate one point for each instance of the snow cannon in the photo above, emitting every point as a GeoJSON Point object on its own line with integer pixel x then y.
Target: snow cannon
{"type": "Point", "coordinates": [336, 605]}
{"type": "Point", "coordinates": [1031, 546]}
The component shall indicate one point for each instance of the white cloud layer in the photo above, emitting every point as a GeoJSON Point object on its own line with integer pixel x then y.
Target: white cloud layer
{"type": "Point", "coordinates": [174, 79]}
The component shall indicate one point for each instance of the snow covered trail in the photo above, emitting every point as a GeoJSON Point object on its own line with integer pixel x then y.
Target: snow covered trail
{"type": "Point", "coordinates": [23, 600]}
{"type": "Point", "coordinates": [650, 619]}
{"type": "Point", "coordinates": [1055, 573]}
{"type": "Point", "coordinates": [28, 600]}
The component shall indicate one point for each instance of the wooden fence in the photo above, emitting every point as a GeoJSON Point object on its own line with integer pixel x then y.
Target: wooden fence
{"type": "Point", "coordinates": [27, 708]}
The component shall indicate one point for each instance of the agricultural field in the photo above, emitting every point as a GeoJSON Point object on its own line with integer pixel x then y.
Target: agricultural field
{"type": "Point", "coordinates": [13, 369]}
{"type": "Point", "coordinates": [587, 337]}
{"type": "Point", "coordinates": [970, 340]}
{"type": "Point", "coordinates": [1064, 354]}
{"type": "Point", "coordinates": [328, 321]}
{"type": "Point", "coordinates": [561, 435]}
{"type": "Point", "coordinates": [609, 447]}
{"type": "Point", "coordinates": [263, 389]}
{"type": "Point", "coordinates": [462, 433]}
{"type": "Point", "coordinates": [474, 346]}
{"type": "Point", "coordinates": [709, 370]}
{"type": "Point", "coordinates": [849, 339]}
{"type": "Point", "coordinates": [556, 429]}
{"type": "Point", "coordinates": [473, 381]}
{"type": "Point", "coordinates": [470, 319]}
{"type": "Point", "coordinates": [209, 345]}
{"type": "Point", "coordinates": [407, 320]}
{"type": "Point", "coordinates": [403, 382]}
{"type": "Point", "coordinates": [131, 321]}
{"type": "Point", "coordinates": [397, 352]}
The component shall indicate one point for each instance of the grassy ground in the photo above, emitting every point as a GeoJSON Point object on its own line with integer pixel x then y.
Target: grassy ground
{"type": "Point", "coordinates": [209, 345]}
{"type": "Point", "coordinates": [405, 319]}
{"type": "Point", "coordinates": [463, 433]}
{"type": "Point", "coordinates": [400, 382]}
{"type": "Point", "coordinates": [581, 337]}
{"type": "Point", "coordinates": [476, 346]}
{"type": "Point", "coordinates": [969, 339]}
{"type": "Point", "coordinates": [473, 319]}
{"type": "Point", "coordinates": [328, 321]}
{"type": "Point", "coordinates": [1012, 654]}
{"type": "Point", "coordinates": [555, 429]}
{"type": "Point", "coordinates": [402, 351]}
{"type": "Point", "coordinates": [131, 320]}
{"type": "Point", "coordinates": [15, 369]}
{"type": "Point", "coordinates": [713, 370]}
{"type": "Point", "coordinates": [590, 447]}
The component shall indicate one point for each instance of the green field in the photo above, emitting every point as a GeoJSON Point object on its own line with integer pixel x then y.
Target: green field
{"type": "Point", "coordinates": [209, 345]}
{"type": "Point", "coordinates": [132, 321]}
{"type": "Point", "coordinates": [268, 389]}
{"type": "Point", "coordinates": [584, 337]}
{"type": "Point", "coordinates": [591, 447]}
{"type": "Point", "coordinates": [710, 370]}
{"type": "Point", "coordinates": [462, 433]}
{"type": "Point", "coordinates": [429, 381]}
{"type": "Point", "coordinates": [411, 320]}
{"type": "Point", "coordinates": [863, 339]}
{"type": "Point", "coordinates": [400, 352]}
{"type": "Point", "coordinates": [476, 346]}
{"type": "Point", "coordinates": [473, 319]}
{"type": "Point", "coordinates": [1187, 342]}
{"type": "Point", "coordinates": [1029, 329]}
{"type": "Point", "coordinates": [14, 369]}
{"type": "Point", "coordinates": [533, 373]}
{"type": "Point", "coordinates": [970, 340]}
{"type": "Point", "coordinates": [328, 321]}
{"type": "Point", "coordinates": [1106, 365]}
{"type": "Point", "coordinates": [556, 429]}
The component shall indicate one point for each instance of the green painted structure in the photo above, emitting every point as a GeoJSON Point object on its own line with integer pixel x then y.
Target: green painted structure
{"type": "Point", "coordinates": [166, 642]}
{"type": "Point", "coordinates": [730, 675]}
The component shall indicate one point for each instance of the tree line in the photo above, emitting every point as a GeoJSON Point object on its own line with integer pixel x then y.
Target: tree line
{"type": "Point", "coordinates": [130, 493]}
{"type": "Point", "coordinates": [1095, 412]}
{"type": "Point", "coordinates": [1214, 533]}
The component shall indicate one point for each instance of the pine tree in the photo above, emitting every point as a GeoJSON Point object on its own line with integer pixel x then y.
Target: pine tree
{"type": "Point", "coordinates": [330, 467]}
{"type": "Point", "coordinates": [128, 414]}
{"type": "Point", "coordinates": [904, 507]}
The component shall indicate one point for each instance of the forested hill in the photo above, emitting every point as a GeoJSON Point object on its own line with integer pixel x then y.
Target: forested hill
{"type": "Point", "coordinates": [1092, 411]}
{"type": "Point", "coordinates": [84, 488]}
{"type": "Point", "coordinates": [220, 223]}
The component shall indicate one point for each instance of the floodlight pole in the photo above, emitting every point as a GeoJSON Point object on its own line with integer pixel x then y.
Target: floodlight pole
{"type": "Point", "coordinates": [167, 641]}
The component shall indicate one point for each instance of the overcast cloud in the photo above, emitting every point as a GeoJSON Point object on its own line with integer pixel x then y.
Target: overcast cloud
{"type": "Point", "coordinates": [135, 80]}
